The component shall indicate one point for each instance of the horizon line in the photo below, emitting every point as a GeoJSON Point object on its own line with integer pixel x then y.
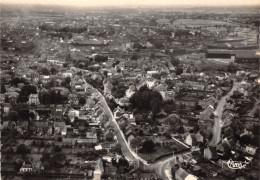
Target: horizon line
{"type": "Point", "coordinates": [132, 3]}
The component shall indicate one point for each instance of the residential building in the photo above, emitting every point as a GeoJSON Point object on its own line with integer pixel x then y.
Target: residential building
{"type": "Point", "coordinates": [181, 174]}
{"type": "Point", "coordinates": [33, 99]}
{"type": "Point", "coordinates": [26, 168]}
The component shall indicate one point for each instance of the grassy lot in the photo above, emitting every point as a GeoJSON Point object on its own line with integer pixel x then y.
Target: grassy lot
{"type": "Point", "coordinates": [162, 151]}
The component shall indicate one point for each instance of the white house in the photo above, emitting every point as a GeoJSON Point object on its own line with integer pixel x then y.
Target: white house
{"type": "Point", "coordinates": [190, 140]}
{"type": "Point", "coordinates": [26, 168]}
{"type": "Point", "coordinates": [33, 99]}
{"type": "Point", "coordinates": [251, 150]}
{"type": "Point", "coordinates": [72, 114]}
{"type": "Point", "coordinates": [67, 75]}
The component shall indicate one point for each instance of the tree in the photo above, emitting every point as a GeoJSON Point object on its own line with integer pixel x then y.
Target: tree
{"type": "Point", "coordinates": [31, 115]}
{"type": "Point", "coordinates": [134, 57]}
{"type": "Point", "coordinates": [16, 81]}
{"type": "Point", "coordinates": [82, 101]}
{"type": "Point", "coordinates": [175, 61]}
{"type": "Point", "coordinates": [45, 157]}
{"type": "Point", "coordinates": [65, 65]}
{"type": "Point", "coordinates": [255, 130]}
{"type": "Point", "coordinates": [179, 70]}
{"type": "Point", "coordinates": [45, 71]}
{"type": "Point", "coordinates": [59, 97]}
{"type": "Point", "coordinates": [237, 95]}
{"type": "Point", "coordinates": [21, 149]}
{"type": "Point", "coordinates": [143, 89]}
{"type": "Point", "coordinates": [118, 71]}
{"type": "Point", "coordinates": [167, 135]}
{"type": "Point", "coordinates": [50, 84]}
{"type": "Point", "coordinates": [245, 140]}
{"type": "Point", "coordinates": [118, 149]}
{"type": "Point", "coordinates": [67, 80]}
{"type": "Point", "coordinates": [155, 106]}
{"type": "Point", "coordinates": [3, 90]}
{"type": "Point", "coordinates": [25, 92]}
{"type": "Point", "coordinates": [105, 73]}
{"type": "Point", "coordinates": [122, 163]}
{"type": "Point", "coordinates": [13, 116]}
{"type": "Point", "coordinates": [52, 97]}
{"type": "Point", "coordinates": [42, 144]}
{"type": "Point", "coordinates": [57, 160]}
{"type": "Point", "coordinates": [146, 99]}
{"type": "Point", "coordinates": [198, 107]}
{"type": "Point", "coordinates": [57, 149]}
{"type": "Point", "coordinates": [141, 133]}
{"type": "Point", "coordinates": [180, 130]}
{"type": "Point", "coordinates": [99, 58]}
{"type": "Point", "coordinates": [18, 164]}
{"type": "Point", "coordinates": [53, 70]}
{"type": "Point", "coordinates": [148, 146]}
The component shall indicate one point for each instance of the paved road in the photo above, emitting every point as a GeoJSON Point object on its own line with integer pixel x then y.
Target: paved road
{"type": "Point", "coordinates": [218, 120]}
{"type": "Point", "coordinates": [128, 153]}
{"type": "Point", "coordinates": [161, 167]}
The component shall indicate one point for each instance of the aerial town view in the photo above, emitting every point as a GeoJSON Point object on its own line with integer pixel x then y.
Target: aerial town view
{"type": "Point", "coordinates": [129, 92]}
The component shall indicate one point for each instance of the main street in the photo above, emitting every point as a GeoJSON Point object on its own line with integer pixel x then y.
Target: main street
{"type": "Point", "coordinates": [218, 116]}
{"type": "Point", "coordinates": [161, 167]}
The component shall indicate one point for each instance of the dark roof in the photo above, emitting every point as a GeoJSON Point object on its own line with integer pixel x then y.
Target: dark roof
{"type": "Point", "coordinates": [219, 51]}
{"type": "Point", "coordinates": [238, 53]}
{"type": "Point", "coordinates": [247, 55]}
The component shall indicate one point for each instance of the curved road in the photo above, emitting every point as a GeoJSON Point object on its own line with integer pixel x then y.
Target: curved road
{"type": "Point", "coordinates": [161, 167]}
{"type": "Point", "coordinates": [218, 120]}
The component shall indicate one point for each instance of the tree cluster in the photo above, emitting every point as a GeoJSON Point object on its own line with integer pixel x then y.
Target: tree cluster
{"type": "Point", "coordinates": [169, 106]}
{"type": "Point", "coordinates": [25, 93]}
{"type": "Point", "coordinates": [95, 83]}
{"type": "Point", "coordinates": [51, 97]}
{"type": "Point", "coordinates": [100, 58]}
{"type": "Point", "coordinates": [45, 71]}
{"type": "Point", "coordinates": [148, 146]}
{"type": "Point", "coordinates": [17, 80]}
{"type": "Point", "coordinates": [118, 90]}
{"type": "Point", "coordinates": [66, 29]}
{"type": "Point", "coordinates": [147, 99]}
{"type": "Point", "coordinates": [122, 165]}
{"type": "Point", "coordinates": [21, 149]}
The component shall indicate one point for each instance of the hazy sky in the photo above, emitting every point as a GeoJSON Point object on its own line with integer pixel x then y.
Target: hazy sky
{"type": "Point", "coordinates": [135, 2]}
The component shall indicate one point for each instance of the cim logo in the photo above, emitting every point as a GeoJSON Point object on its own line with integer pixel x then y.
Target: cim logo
{"type": "Point", "coordinates": [236, 164]}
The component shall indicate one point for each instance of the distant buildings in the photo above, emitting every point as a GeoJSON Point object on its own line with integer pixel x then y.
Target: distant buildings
{"type": "Point", "coordinates": [240, 56]}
